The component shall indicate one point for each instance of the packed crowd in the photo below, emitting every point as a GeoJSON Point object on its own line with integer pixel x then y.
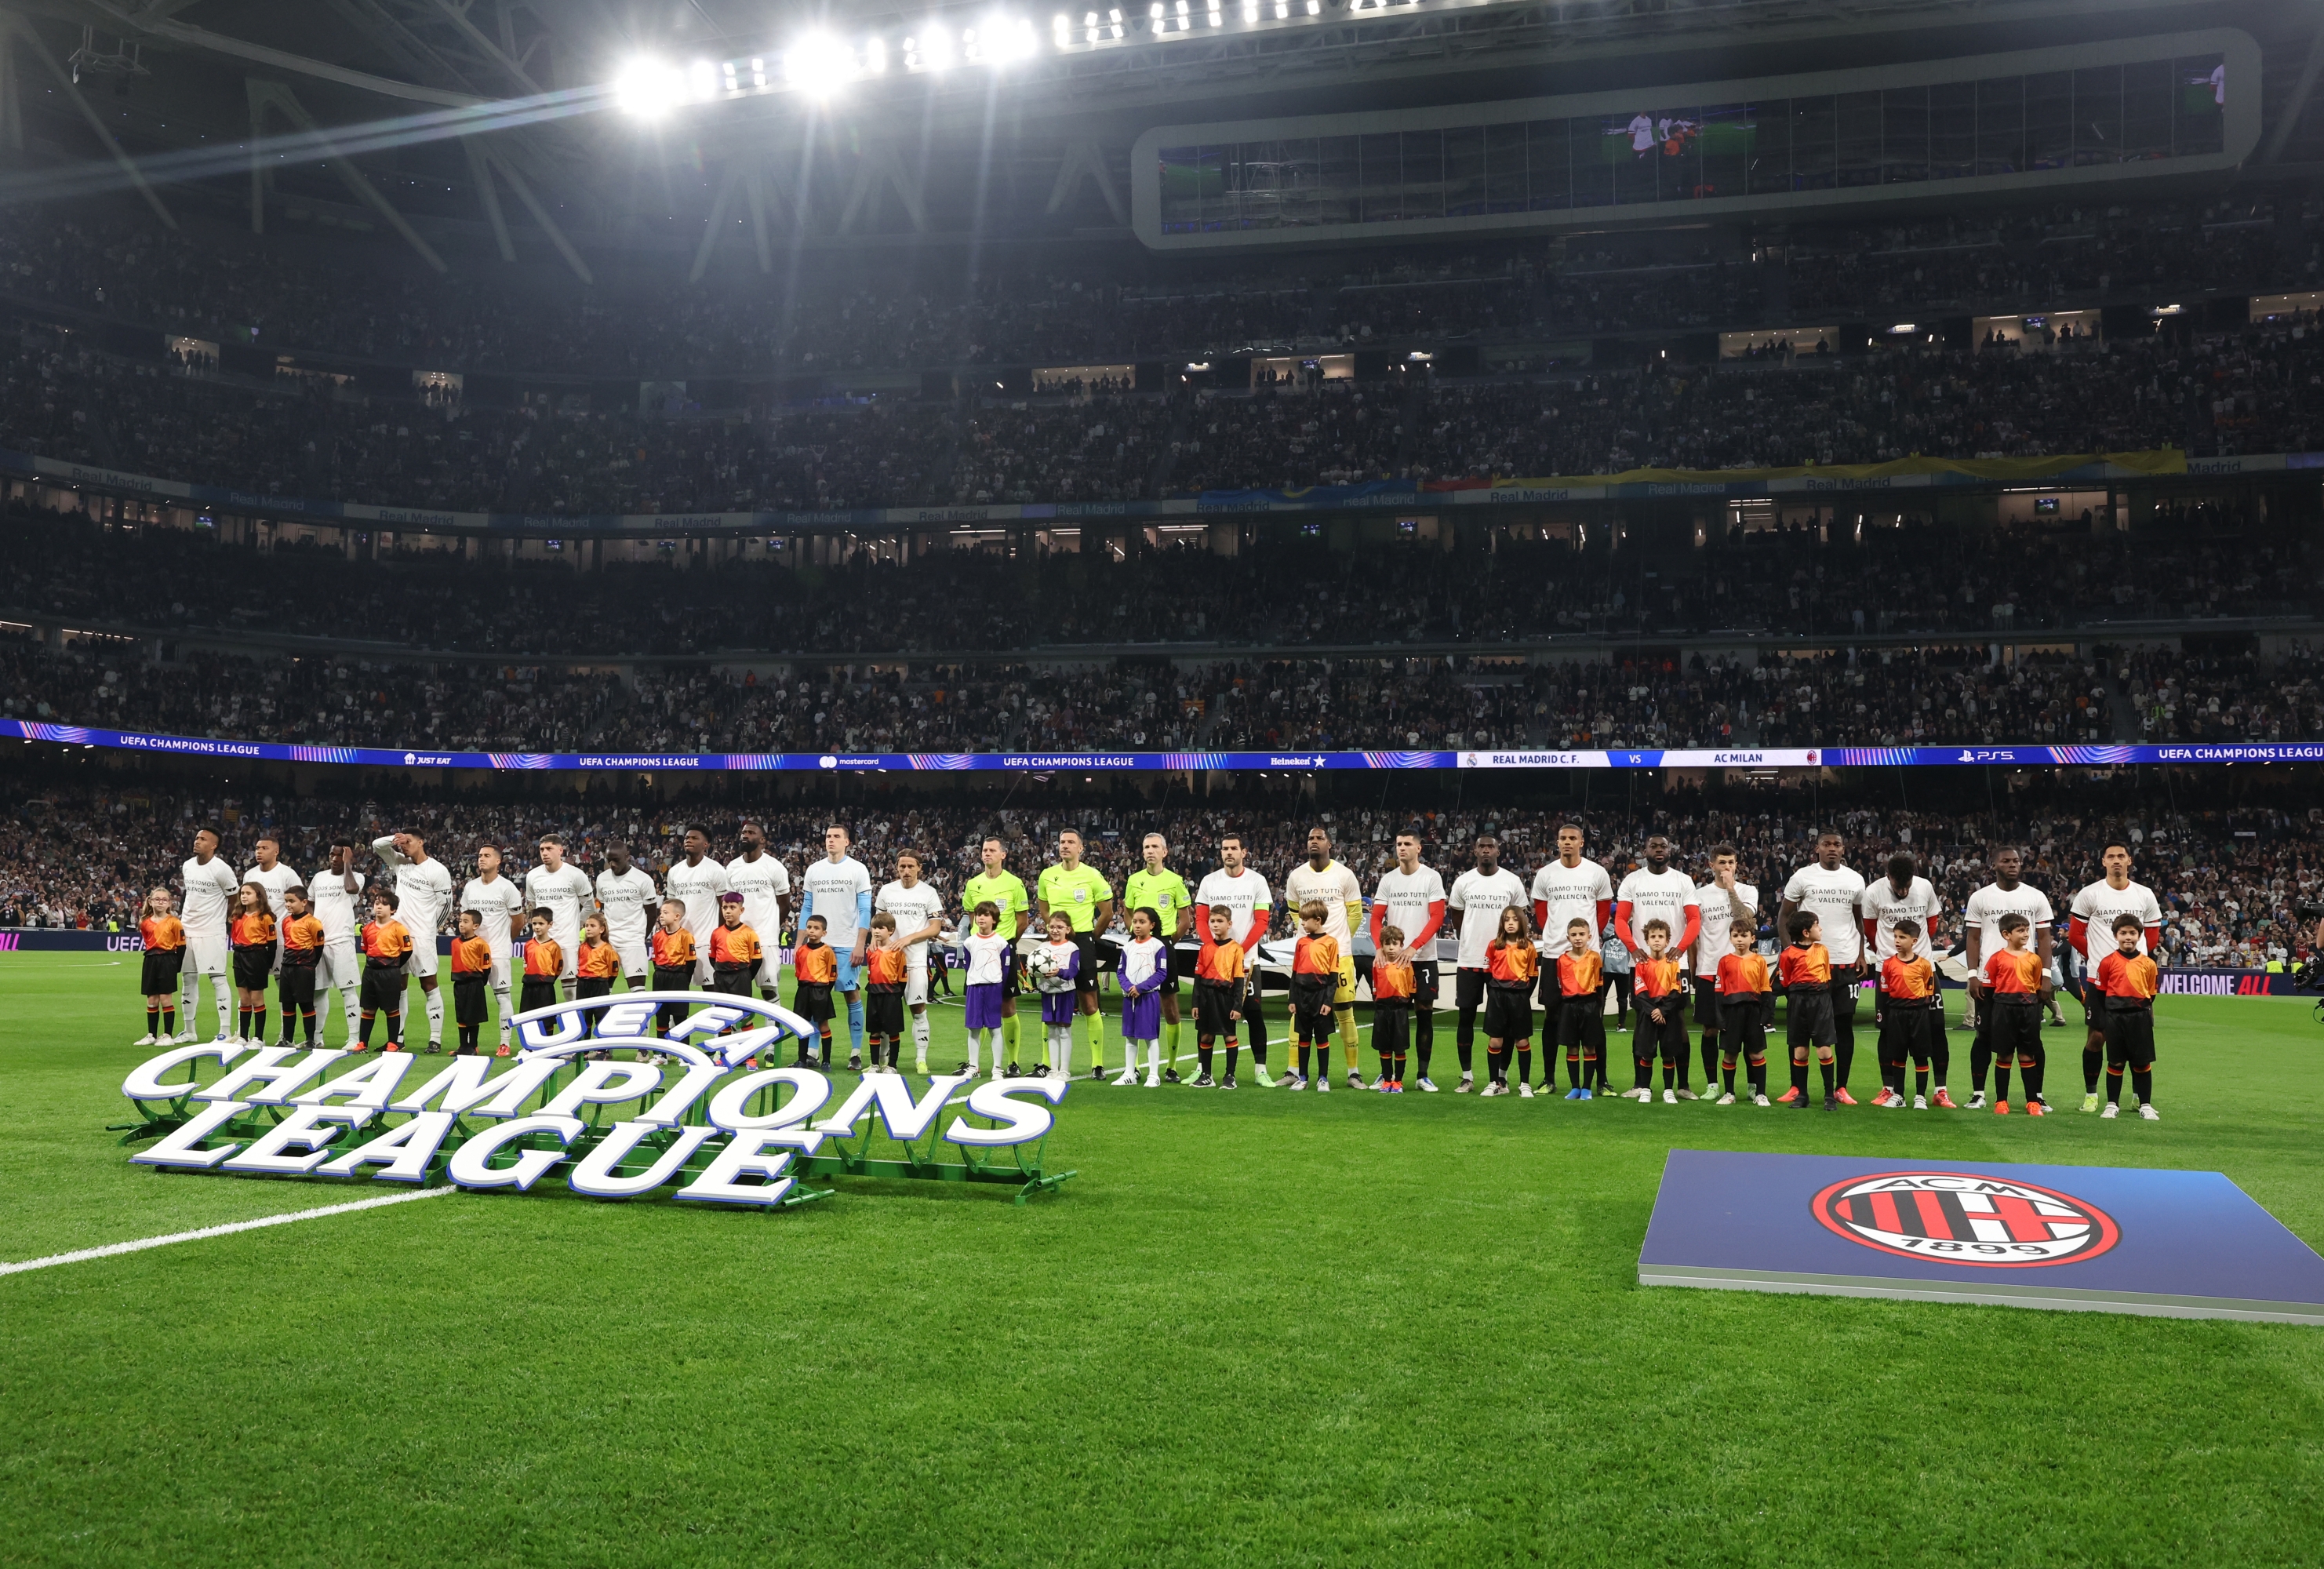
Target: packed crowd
{"type": "Point", "coordinates": [2254, 391]}
{"type": "Point", "coordinates": [221, 287]}
{"type": "Point", "coordinates": [2230, 879]}
{"type": "Point", "coordinates": [2052, 254]}
{"type": "Point", "coordinates": [1930, 695]}
{"type": "Point", "coordinates": [1916, 578]}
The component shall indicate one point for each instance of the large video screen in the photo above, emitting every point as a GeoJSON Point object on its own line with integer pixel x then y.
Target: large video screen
{"type": "Point", "coordinates": [2146, 111]}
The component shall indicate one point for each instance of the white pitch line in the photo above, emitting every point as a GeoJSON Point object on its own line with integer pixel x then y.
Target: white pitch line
{"type": "Point", "coordinates": [141, 1244]}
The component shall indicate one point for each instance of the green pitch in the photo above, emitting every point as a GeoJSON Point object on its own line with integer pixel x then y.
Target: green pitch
{"type": "Point", "coordinates": [1256, 1328]}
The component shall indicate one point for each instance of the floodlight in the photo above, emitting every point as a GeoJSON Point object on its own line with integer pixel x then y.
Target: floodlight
{"type": "Point", "coordinates": [819, 65]}
{"type": "Point", "coordinates": [648, 88]}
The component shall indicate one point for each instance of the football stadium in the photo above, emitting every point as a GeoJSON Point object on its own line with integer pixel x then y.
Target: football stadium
{"type": "Point", "coordinates": [779, 777]}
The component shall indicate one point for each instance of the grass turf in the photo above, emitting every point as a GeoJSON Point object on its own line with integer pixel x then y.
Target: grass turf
{"type": "Point", "coordinates": [1257, 1327]}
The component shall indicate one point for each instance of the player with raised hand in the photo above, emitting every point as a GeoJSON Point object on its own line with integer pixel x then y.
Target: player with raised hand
{"type": "Point", "coordinates": [918, 910]}
{"type": "Point", "coordinates": [1716, 901]}
{"type": "Point", "coordinates": [1321, 880]}
{"type": "Point", "coordinates": [206, 913]}
{"type": "Point", "coordinates": [2007, 895]}
{"type": "Point", "coordinates": [1473, 912]}
{"type": "Point", "coordinates": [1828, 889]}
{"type": "Point", "coordinates": [423, 893]}
{"type": "Point", "coordinates": [1410, 896]}
{"type": "Point", "coordinates": [1243, 894]}
{"type": "Point", "coordinates": [1657, 890]}
{"type": "Point", "coordinates": [765, 884]}
{"type": "Point", "coordinates": [630, 904]}
{"type": "Point", "coordinates": [499, 906]}
{"type": "Point", "coordinates": [1079, 892]}
{"type": "Point", "coordinates": [2094, 913]}
{"type": "Point", "coordinates": [1005, 891]}
{"type": "Point", "coordinates": [1155, 887]}
{"type": "Point", "coordinates": [334, 893]}
{"type": "Point", "coordinates": [838, 888]}
{"type": "Point", "coordinates": [697, 881]}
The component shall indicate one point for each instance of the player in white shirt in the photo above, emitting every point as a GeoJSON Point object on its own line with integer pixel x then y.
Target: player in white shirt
{"type": "Point", "coordinates": [1243, 894]}
{"type": "Point", "coordinates": [919, 912]}
{"type": "Point", "coordinates": [1902, 895]}
{"type": "Point", "coordinates": [1319, 877]}
{"type": "Point", "coordinates": [2095, 909]}
{"type": "Point", "coordinates": [501, 910]}
{"type": "Point", "coordinates": [697, 881]}
{"type": "Point", "coordinates": [332, 893]}
{"type": "Point", "coordinates": [270, 874]}
{"type": "Point", "coordinates": [567, 893]}
{"type": "Point", "coordinates": [838, 889]}
{"type": "Point", "coordinates": [1410, 896]}
{"type": "Point", "coordinates": [1981, 917]}
{"type": "Point", "coordinates": [1473, 911]}
{"type": "Point", "coordinates": [630, 904]}
{"type": "Point", "coordinates": [1572, 886]}
{"type": "Point", "coordinates": [1829, 889]}
{"type": "Point", "coordinates": [1714, 940]}
{"type": "Point", "coordinates": [205, 908]}
{"type": "Point", "coordinates": [423, 893]}
{"type": "Point", "coordinates": [765, 884]}
{"type": "Point", "coordinates": [1659, 891]}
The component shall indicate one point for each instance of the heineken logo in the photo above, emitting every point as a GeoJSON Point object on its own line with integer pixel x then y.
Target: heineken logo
{"type": "Point", "coordinates": [697, 1116]}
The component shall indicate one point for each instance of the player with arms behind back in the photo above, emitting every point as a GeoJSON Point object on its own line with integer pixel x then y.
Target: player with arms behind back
{"type": "Point", "coordinates": [1322, 880]}
{"type": "Point", "coordinates": [2095, 913]}
{"type": "Point", "coordinates": [1911, 1021]}
{"type": "Point", "coordinates": [2015, 986]}
{"type": "Point", "coordinates": [1717, 902]}
{"type": "Point", "coordinates": [1982, 915]}
{"type": "Point", "coordinates": [1410, 896]}
{"type": "Point", "coordinates": [1243, 894]}
{"type": "Point", "coordinates": [1829, 890]}
{"type": "Point", "coordinates": [1473, 911]}
{"type": "Point", "coordinates": [1658, 891]}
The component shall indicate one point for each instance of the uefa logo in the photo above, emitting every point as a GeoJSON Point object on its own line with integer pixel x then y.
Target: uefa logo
{"type": "Point", "coordinates": [1954, 1218]}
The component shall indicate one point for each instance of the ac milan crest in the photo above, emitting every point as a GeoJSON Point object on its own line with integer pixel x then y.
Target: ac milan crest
{"type": "Point", "coordinates": [1954, 1218]}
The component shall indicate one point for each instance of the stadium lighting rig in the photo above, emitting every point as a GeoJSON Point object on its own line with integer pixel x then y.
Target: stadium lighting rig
{"type": "Point", "coordinates": [822, 64]}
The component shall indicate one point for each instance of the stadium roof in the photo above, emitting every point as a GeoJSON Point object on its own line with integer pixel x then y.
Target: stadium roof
{"type": "Point", "coordinates": [453, 106]}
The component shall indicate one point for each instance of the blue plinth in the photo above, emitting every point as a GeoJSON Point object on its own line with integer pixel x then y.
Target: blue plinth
{"type": "Point", "coordinates": [2183, 1244]}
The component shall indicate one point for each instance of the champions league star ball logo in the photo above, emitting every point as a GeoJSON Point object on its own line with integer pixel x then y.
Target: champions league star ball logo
{"type": "Point", "coordinates": [1957, 1219]}
{"type": "Point", "coordinates": [723, 1130]}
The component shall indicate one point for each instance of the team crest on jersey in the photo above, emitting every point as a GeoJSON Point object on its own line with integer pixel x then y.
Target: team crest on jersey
{"type": "Point", "coordinates": [1958, 1219]}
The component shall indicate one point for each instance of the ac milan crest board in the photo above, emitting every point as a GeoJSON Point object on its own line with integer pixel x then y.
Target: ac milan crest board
{"type": "Point", "coordinates": [2181, 1244]}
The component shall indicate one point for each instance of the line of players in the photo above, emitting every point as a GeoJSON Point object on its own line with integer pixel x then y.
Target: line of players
{"type": "Point", "coordinates": [268, 923]}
